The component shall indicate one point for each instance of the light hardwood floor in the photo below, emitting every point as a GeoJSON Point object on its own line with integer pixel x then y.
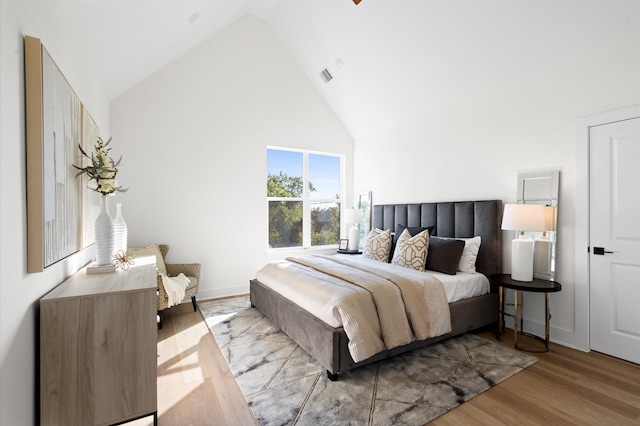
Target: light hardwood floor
{"type": "Point", "coordinates": [565, 386]}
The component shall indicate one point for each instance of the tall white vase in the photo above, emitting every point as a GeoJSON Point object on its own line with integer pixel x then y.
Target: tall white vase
{"type": "Point", "coordinates": [119, 231]}
{"type": "Point", "coordinates": [104, 234]}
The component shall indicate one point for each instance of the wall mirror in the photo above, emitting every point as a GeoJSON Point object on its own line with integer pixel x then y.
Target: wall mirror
{"type": "Point", "coordinates": [542, 188]}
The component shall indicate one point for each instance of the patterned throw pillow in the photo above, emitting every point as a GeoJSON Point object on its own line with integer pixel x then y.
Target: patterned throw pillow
{"type": "Point", "coordinates": [411, 252]}
{"type": "Point", "coordinates": [377, 245]}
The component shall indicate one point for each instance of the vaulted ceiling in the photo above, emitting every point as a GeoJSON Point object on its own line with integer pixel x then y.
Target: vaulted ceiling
{"type": "Point", "coordinates": [390, 60]}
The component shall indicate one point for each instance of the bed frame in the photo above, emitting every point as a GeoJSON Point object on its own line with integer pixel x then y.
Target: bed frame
{"type": "Point", "coordinates": [461, 219]}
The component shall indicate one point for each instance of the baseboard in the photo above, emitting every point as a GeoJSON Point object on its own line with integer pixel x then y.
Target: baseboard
{"type": "Point", "coordinates": [223, 292]}
{"type": "Point", "coordinates": [557, 335]}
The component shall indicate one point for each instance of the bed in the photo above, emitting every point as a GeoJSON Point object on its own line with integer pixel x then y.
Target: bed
{"type": "Point", "coordinates": [329, 345]}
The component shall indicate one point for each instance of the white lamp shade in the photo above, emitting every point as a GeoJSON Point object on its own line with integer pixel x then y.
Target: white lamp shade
{"type": "Point", "coordinates": [353, 216]}
{"type": "Point", "coordinates": [523, 217]}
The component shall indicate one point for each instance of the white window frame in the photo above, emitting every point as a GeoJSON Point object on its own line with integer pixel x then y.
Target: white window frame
{"type": "Point", "coordinates": [306, 199]}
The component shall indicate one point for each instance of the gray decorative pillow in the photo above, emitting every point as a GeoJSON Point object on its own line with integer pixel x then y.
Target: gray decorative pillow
{"type": "Point", "coordinates": [469, 254]}
{"type": "Point", "coordinates": [411, 252]}
{"type": "Point", "coordinates": [444, 255]}
{"type": "Point", "coordinates": [377, 245]}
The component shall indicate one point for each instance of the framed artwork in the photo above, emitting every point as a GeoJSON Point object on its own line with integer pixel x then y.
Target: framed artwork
{"type": "Point", "coordinates": [54, 202]}
{"type": "Point", "coordinates": [343, 244]}
{"type": "Point", "coordinates": [90, 198]}
{"type": "Point", "coordinates": [364, 204]}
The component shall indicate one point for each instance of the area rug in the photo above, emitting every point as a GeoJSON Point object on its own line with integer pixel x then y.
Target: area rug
{"type": "Point", "coordinates": [283, 385]}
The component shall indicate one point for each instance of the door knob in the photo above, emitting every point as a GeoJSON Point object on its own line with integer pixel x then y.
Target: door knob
{"type": "Point", "coordinates": [600, 250]}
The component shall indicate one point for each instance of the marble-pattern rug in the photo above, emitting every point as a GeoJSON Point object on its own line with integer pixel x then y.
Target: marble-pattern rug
{"type": "Point", "coordinates": [283, 385]}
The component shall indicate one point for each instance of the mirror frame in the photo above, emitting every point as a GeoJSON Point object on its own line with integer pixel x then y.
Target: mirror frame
{"type": "Point", "coordinates": [546, 192]}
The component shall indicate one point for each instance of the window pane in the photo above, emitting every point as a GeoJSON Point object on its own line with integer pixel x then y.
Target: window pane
{"type": "Point", "coordinates": [324, 176]}
{"type": "Point", "coordinates": [285, 224]}
{"type": "Point", "coordinates": [325, 223]}
{"type": "Point", "coordinates": [284, 173]}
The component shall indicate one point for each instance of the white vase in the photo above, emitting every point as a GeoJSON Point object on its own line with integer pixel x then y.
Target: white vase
{"type": "Point", "coordinates": [119, 231]}
{"type": "Point", "coordinates": [104, 234]}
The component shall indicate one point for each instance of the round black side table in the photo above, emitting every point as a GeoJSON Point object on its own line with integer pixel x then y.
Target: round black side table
{"type": "Point", "coordinates": [536, 286]}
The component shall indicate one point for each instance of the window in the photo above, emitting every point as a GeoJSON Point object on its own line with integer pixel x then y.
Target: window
{"type": "Point", "coordinates": [304, 190]}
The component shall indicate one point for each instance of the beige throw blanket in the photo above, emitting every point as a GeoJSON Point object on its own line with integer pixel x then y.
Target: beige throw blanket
{"type": "Point", "coordinates": [176, 288]}
{"type": "Point", "coordinates": [397, 311]}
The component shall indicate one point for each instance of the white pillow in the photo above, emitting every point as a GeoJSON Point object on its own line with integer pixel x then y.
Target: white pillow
{"type": "Point", "coordinates": [411, 252]}
{"type": "Point", "coordinates": [377, 245]}
{"type": "Point", "coordinates": [469, 254]}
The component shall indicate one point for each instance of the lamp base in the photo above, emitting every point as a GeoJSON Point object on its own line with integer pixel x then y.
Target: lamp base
{"type": "Point", "coordinates": [522, 259]}
{"type": "Point", "coordinates": [354, 239]}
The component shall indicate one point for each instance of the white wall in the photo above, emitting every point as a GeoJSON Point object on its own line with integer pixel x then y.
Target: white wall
{"type": "Point", "coordinates": [475, 149]}
{"type": "Point", "coordinates": [19, 291]}
{"type": "Point", "coordinates": [194, 136]}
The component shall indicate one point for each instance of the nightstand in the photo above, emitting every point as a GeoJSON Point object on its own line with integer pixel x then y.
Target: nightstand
{"type": "Point", "coordinates": [537, 286]}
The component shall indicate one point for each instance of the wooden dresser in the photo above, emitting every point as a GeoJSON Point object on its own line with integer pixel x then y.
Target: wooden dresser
{"type": "Point", "coordinates": [98, 348]}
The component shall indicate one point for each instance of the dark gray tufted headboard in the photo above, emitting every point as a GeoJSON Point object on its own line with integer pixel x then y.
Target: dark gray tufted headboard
{"type": "Point", "coordinates": [459, 219]}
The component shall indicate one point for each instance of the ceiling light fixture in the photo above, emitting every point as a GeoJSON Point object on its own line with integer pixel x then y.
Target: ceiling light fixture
{"type": "Point", "coordinates": [193, 17]}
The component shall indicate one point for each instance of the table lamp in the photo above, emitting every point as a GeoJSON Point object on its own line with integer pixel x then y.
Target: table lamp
{"type": "Point", "coordinates": [354, 217]}
{"type": "Point", "coordinates": [523, 217]}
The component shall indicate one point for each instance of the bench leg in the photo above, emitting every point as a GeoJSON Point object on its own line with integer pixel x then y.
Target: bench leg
{"type": "Point", "coordinates": [193, 302]}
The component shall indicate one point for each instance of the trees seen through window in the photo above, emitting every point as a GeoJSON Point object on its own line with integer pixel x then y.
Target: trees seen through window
{"type": "Point", "coordinates": [304, 193]}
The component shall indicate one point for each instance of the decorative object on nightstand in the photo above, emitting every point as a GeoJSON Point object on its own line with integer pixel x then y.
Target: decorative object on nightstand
{"type": "Point", "coordinates": [354, 217]}
{"type": "Point", "coordinates": [522, 217]}
{"type": "Point", "coordinates": [536, 286]}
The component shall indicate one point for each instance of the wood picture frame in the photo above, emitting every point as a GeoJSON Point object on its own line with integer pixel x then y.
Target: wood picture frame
{"type": "Point", "coordinates": [53, 132]}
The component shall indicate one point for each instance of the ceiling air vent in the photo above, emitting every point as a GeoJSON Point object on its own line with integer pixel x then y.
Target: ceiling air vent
{"type": "Point", "coordinates": [326, 75]}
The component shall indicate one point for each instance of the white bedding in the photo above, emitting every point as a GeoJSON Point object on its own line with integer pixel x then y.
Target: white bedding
{"type": "Point", "coordinates": [460, 286]}
{"type": "Point", "coordinates": [463, 285]}
{"type": "Point", "coordinates": [300, 284]}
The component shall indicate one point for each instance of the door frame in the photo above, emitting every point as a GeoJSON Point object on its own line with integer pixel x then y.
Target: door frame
{"type": "Point", "coordinates": [582, 264]}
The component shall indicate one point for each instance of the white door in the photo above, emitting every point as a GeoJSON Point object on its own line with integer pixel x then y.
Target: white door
{"type": "Point", "coordinates": [614, 236]}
